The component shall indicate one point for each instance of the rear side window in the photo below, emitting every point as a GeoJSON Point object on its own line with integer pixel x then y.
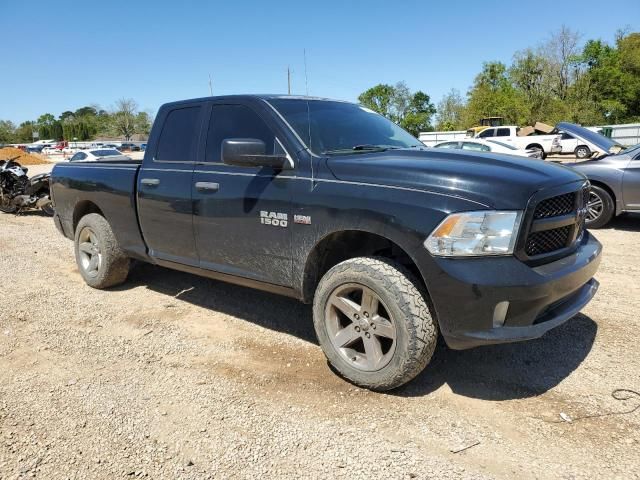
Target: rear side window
{"type": "Point", "coordinates": [486, 133]}
{"type": "Point", "coordinates": [503, 132]}
{"type": "Point", "coordinates": [449, 145]}
{"type": "Point", "coordinates": [178, 139]}
{"type": "Point", "coordinates": [235, 121]}
{"type": "Point", "coordinates": [475, 146]}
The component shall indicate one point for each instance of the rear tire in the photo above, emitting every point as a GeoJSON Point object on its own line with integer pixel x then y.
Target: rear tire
{"type": "Point", "coordinates": [582, 152]}
{"type": "Point", "coordinates": [373, 324]}
{"type": "Point", "coordinates": [600, 208]}
{"type": "Point", "coordinates": [100, 260]}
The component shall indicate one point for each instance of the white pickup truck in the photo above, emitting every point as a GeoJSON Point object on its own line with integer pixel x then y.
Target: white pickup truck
{"type": "Point", "coordinates": [509, 134]}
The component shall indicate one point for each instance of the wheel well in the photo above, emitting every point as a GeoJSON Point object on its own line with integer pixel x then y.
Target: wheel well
{"type": "Point", "coordinates": [340, 246]}
{"type": "Point", "coordinates": [84, 208]}
{"type": "Point", "coordinates": [582, 145]}
{"type": "Point", "coordinates": [605, 187]}
{"type": "Point", "coordinates": [535, 145]}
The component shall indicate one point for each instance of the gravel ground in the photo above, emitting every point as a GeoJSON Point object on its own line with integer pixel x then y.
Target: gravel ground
{"type": "Point", "coordinates": [175, 376]}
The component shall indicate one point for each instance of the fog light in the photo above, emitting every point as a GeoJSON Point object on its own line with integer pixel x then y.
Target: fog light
{"type": "Point", "coordinates": [500, 314]}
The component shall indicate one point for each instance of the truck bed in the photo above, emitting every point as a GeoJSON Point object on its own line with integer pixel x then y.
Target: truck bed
{"type": "Point", "coordinates": [77, 188]}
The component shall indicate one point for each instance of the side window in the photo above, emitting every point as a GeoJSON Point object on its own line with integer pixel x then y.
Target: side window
{"type": "Point", "coordinates": [236, 121]}
{"type": "Point", "coordinates": [178, 138]}
{"type": "Point", "coordinates": [503, 132]}
{"type": "Point", "coordinates": [486, 133]}
{"type": "Point", "coordinates": [448, 145]}
{"type": "Point", "coordinates": [75, 157]}
{"type": "Point", "coordinates": [566, 136]}
{"type": "Point", "coordinates": [475, 146]}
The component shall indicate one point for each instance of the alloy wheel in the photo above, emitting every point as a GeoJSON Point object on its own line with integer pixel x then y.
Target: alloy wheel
{"type": "Point", "coordinates": [360, 327]}
{"type": "Point", "coordinates": [90, 252]}
{"type": "Point", "coordinates": [595, 206]}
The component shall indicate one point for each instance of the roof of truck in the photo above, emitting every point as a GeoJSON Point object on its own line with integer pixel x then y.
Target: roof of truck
{"type": "Point", "coordinates": [253, 96]}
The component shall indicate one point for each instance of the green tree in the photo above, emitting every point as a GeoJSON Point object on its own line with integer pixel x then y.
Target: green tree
{"type": "Point", "coordinates": [24, 132]}
{"type": "Point", "coordinates": [493, 95]}
{"type": "Point", "coordinates": [379, 99]}
{"type": "Point", "coordinates": [450, 112]}
{"type": "Point", "coordinates": [7, 131]}
{"type": "Point", "coordinates": [412, 111]}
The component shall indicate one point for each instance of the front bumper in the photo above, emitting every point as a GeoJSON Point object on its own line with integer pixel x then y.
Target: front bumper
{"type": "Point", "coordinates": [469, 295]}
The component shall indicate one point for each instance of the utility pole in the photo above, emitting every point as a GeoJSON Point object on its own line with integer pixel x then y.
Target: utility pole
{"type": "Point", "coordinates": [210, 87]}
{"type": "Point", "coordinates": [288, 80]}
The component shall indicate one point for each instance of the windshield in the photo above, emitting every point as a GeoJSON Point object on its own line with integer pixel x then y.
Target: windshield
{"type": "Point", "coordinates": [330, 127]}
{"type": "Point", "coordinates": [632, 149]}
{"type": "Point", "coordinates": [505, 145]}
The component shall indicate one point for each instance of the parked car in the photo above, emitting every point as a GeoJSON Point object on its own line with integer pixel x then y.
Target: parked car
{"type": "Point", "coordinates": [545, 144]}
{"type": "Point", "coordinates": [132, 147]}
{"type": "Point", "coordinates": [95, 154]}
{"type": "Point", "coordinates": [335, 205]}
{"type": "Point", "coordinates": [589, 142]}
{"type": "Point", "coordinates": [143, 146]}
{"type": "Point", "coordinates": [615, 182]}
{"type": "Point", "coordinates": [489, 146]}
{"type": "Point", "coordinates": [52, 150]}
{"type": "Point", "coordinates": [573, 145]}
{"type": "Point", "coordinates": [35, 148]}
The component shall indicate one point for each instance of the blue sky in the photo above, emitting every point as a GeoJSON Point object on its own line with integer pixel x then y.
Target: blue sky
{"type": "Point", "coordinates": [64, 55]}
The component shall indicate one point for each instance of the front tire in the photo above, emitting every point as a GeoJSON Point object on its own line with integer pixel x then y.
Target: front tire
{"type": "Point", "coordinates": [373, 324]}
{"type": "Point", "coordinates": [600, 208]}
{"type": "Point", "coordinates": [100, 260]}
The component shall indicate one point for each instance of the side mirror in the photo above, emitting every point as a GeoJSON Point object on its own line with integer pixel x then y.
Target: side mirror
{"type": "Point", "coordinates": [251, 152]}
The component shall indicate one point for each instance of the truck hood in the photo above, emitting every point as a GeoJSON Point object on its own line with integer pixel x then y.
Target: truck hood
{"type": "Point", "coordinates": [495, 181]}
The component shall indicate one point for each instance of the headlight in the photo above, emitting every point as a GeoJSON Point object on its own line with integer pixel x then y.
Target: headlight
{"type": "Point", "coordinates": [465, 234]}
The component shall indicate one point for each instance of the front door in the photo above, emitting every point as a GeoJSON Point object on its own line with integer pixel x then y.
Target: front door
{"type": "Point", "coordinates": [242, 215]}
{"type": "Point", "coordinates": [631, 184]}
{"type": "Point", "coordinates": [165, 208]}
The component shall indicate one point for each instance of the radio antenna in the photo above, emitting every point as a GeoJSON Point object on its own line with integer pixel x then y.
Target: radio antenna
{"type": "Point", "coordinates": [288, 80]}
{"type": "Point", "coordinates": [306, 80]}
{"type": "Point", "coordinates": [210, 87]}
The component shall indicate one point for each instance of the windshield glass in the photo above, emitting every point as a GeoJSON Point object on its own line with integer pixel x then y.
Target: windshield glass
{"type": "Point", "coordinates": [329, 127]}
{"type": "Point", "coordinates": [505, 145]}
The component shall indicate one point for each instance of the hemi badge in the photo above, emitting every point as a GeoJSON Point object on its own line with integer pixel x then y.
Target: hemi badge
{"type": "Point", "coordinates": [303, 219]}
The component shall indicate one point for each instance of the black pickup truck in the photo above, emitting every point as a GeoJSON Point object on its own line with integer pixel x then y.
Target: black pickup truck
{"type": "Point", "coordinates": [332, 204]}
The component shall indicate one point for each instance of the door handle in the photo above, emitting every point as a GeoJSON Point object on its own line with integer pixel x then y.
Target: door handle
{"type": "Point", "coordinates": [150, 182]}
{"type": "Point", "coordinates": [207, 186]}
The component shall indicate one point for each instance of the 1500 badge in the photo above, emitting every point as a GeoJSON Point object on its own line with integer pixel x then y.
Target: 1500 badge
{"type": "Point", "coordinates": [274, 218]}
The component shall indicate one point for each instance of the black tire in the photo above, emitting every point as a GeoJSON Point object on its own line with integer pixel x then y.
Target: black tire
{"type": "Point", "coordinates": [582, 152]}
{"type": "Point", "coordinates": [112, 265]}
{"type": "Point", "coordinates": [48, 210]}
{"type": "Point", "coordinates": [599, 194]}
{"type": "Point", "coordinates": [415, 329]}
{"type": "Point", "coordinates": [8, 208]}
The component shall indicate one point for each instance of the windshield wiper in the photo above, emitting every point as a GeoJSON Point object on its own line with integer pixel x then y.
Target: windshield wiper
{"type": "Point", "coordinates": [369, 147]}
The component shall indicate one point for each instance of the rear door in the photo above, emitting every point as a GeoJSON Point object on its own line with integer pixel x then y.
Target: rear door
{"type": "Point", "coordinates": [165, 208]}
{"type": "Point", "coordinates": [242, 215]}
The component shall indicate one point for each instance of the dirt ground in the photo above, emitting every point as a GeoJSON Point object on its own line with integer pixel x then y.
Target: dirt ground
{"type": "Point", "coordinates": [175, 376]}
{"type": "Point", "coordinates": [23, 158]}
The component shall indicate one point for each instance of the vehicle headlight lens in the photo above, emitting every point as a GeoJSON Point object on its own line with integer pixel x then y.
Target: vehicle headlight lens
{"type": "Point", "coordinates": [486, 232]}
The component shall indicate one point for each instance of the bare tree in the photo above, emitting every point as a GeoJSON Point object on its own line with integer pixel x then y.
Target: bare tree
{"type": "Point", "coordinates": [124, 117]}
{"type": "Point", "coordinates": [562, 50]}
